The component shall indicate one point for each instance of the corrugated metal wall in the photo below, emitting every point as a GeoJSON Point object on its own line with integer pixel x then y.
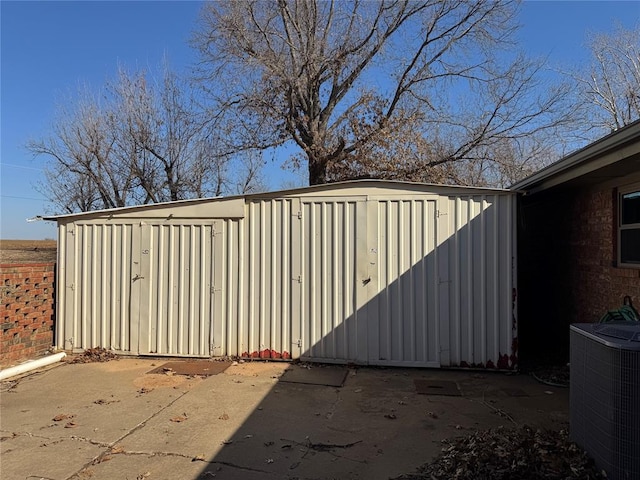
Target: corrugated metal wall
{"type": "Point", "coordinates": [138, 288]}
{"type": "Point", "coordinates": [94, 286]}
{"type": "Point", "coordinates": [397, 278]}
{"type": "Point", "coordinates": [406, 298]}
{"type": "Point", "coordinates": [256, 285]}
{"type": "Point", "coordinates": [333, 232]}
{"type": "Point", "coordinates": [479, 322]}
{"type": "Point", "coordinates": [172, 315]}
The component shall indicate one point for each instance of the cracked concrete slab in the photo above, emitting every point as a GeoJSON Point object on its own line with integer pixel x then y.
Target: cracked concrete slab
{"type": "Point", "coordinates": [27, 456]}
{"type": "Point", "coordinates": [245, 424]}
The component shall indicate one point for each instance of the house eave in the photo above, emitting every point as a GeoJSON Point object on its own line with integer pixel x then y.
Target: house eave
{"type": "Point", "coordinates": [615, 147]}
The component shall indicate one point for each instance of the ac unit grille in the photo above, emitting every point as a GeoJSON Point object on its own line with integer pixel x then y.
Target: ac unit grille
{"type": "Point", "coordinates": [605, 400]}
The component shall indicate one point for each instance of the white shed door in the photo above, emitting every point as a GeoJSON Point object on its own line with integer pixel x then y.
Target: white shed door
{"type": "Point", "coordinates": [404, 313]}
{"type": "Point", "coordinates": [173, 312]}
{"type": "Point", "coordinates": [370, 282]}
{"type": "Point", "coordinates": [333, 268]}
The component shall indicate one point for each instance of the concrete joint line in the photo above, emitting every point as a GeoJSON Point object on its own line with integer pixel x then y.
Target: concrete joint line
{"type": "Point", "coordinates": [25, 434]}
{"type": "Point", "coordinates": [497, 411]}
{"type": "Point", "coordinates": [334, 405]}
{"type": "Point", "coordinates": [193, 458]}
{"type": "Point", "coordinates": [240, 467]}
{"type": "Point", "coordinates": [98, 458]}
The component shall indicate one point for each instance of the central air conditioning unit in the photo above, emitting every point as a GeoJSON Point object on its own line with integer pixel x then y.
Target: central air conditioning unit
{"type": "Point", "coordinates": [605, 395]}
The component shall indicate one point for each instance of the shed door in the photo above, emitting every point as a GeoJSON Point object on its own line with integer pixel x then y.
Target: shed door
{"type": "Point", "coordinates": [404, 309]}
{"type": "Point", "coordinates": [333, 278]}
{"type": "Point", "coordinates": [371, 284]}
{"type": "Point", "coordinates": [173, 312]}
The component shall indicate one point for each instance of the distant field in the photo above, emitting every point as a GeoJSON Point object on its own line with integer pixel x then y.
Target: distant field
{"type": "Point", "coordinates": [28, 251]}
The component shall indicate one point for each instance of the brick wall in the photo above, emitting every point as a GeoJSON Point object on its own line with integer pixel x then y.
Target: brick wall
{"type": "Point", "coordinates": [599, 285]}
{"type": "Point", "coordinates": [26, 311]}
{"type": "Point", "coordinates": [567, 269]}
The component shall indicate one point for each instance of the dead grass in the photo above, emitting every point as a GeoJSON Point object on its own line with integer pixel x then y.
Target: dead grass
{"type": "Point", "coordinates": [28, 251]}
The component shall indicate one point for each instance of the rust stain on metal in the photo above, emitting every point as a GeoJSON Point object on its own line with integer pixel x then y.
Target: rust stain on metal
{"type": "Point", "coordinates": [267, 354]}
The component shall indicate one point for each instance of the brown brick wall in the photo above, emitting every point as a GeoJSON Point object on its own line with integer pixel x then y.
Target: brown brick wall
{"type": "Point", "coordinates": [26, 311]}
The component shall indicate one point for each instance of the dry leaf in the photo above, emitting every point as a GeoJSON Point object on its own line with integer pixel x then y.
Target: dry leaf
{"type": "Point", "coordinates": [63, 416]}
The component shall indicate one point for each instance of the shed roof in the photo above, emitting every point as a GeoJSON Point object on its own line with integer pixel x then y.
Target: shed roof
{"type": "Point", "coordinates": [314, 189]}
{"type": "Point", "coordinates": [613, 156]}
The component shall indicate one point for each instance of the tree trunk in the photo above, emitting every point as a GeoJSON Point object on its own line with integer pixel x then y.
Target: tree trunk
{"type": "Point", "coordinates": [317, 172]}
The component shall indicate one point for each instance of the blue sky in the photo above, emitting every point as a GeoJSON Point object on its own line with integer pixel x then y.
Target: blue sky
{"type": "Point", "coordinates": [49, 48]}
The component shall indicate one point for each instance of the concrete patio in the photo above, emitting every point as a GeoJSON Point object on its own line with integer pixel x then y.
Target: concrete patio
{"type": "Point", "coordinates": [115, 421]}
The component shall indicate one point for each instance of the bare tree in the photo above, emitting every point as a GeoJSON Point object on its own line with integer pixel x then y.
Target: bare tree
{"type": "Point", "coordinates": [136, 142]}
{"type": "Point", "coordinates": [84, 172]}
{"type": "Point", "coordinates": [610, 89]}
{"type": "Point", "coordinates": [347, 81]}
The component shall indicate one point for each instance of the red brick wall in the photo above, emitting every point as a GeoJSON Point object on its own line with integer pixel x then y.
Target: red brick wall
{"type": "Point", "coordinates": [26, 311]}
{"type": "Point", "coordinates": [599, 285]}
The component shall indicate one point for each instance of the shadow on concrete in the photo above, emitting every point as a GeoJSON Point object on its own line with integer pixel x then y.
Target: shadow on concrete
{"type": "Point", "coordinates": [445, 302]}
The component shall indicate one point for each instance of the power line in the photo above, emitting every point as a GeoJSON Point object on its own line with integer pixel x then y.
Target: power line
{"type": "Point", "coordinates": [25, 198]}
{"type": "Point", "coordinates": [20, 166]}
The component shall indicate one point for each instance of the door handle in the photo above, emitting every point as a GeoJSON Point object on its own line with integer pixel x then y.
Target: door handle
{"type": "Point", "coordinates": [137, 277]}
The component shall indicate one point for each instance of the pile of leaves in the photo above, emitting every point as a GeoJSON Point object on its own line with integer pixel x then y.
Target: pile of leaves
{"type": "Point", "coordinates": [93, 355]}
{"type": "Point", "coordinates": [504, 454]}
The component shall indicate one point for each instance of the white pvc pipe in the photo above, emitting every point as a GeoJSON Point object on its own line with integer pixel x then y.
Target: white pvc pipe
{"type": "Point", "coordinates": [31, 365]}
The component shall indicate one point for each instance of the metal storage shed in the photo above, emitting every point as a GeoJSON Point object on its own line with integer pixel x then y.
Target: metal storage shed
{"type": "Point", "coordinates": [369, 272]}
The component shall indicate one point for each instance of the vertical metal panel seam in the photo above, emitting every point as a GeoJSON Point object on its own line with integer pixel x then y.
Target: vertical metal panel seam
{"type": "Point", "coordinates": [347, 275]}
{"type": "Point", "coordinates": [411, 272]}
{"type": "Point", "coordinates": [180, 292]}
{"type": "Point", "coordinates": [193, 229]}
{"type": "Point", "coordinates": [483, 277]}
{"type": "Point", "coordinates": [251, 280]}
{"type": "Point", "coordinates": [496, 277]}
{"type": "Point", "coordinates": [457, 307]}
{"type": "Point", "coordinates": [424, 260]}
{"type": "Point", "coordinates": [289, 254]}
{"type": "Point", "coordinates": [312, 282]}
{"type": "Point", "coordinates": [205, 259]}
{"type": "Point", "coordinates": [470, 270]}
{"type": "Point", "coordinates": [324, 257]}
{"type": "Point", "coordinates": [219, 259]}
{"type": "Point", "coordinates": [113, 322]}
{"type": "Point", "coordinates": [61, 287]}
{"type": "Point", "coordinates": [241, 280]}
{"type": "Point", "coordinates": [76, 288]}
{"type": "Point", "coordinates": [400, 307]}
{"type": "Point", "coordinates": [171, 251]}
{"type": "Point", "coordinates": [158, 255]}
{"type": "Point", "coordinates": [262, 320]}
{"type": "Point", "coordinates": [94, 319]}
{"type": "Point", "coordinates": [104, 320]}
{"type": "Point", "coordinates": [274, 284]}
{"type": "Point", "coordinates": [335, 322]}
